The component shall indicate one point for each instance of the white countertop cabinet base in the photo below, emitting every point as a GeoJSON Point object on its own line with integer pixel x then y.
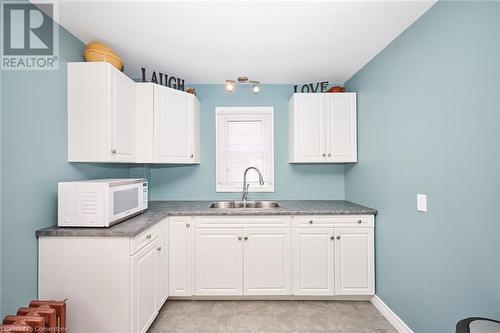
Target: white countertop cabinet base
{"type": "Point", "coordinates": [118, 284]}
{"type": "Point", "coordinates": [113, 284]}
{"type": "Point", "coordinates": [334, 261]}
{"type": "Point", "coordinates": [257, 256]}
{"type": "Point", "coordinates": [242, 261]}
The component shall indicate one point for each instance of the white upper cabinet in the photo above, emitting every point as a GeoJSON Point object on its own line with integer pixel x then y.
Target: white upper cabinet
{"type": "Point", "coordinates": [168, 125]}
{"type": "Point", "coordinates": [101, 114]}
{"type": "Point", "coordinates": [322, 128]}
{"type": "Point", "coordinates": [114, 119]}
{"type": "Point", "coordinates": [307, 128]}
{"type": "Point", "coordinates": [340, 112]}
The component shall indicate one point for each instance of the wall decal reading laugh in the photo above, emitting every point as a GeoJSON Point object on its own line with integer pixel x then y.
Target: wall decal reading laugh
{"type": "Point", "coordinates": [164, 79]}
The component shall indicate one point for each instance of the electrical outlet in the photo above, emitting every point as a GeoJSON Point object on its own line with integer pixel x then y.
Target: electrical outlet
{"type": "Point", "coordinates": [422, 202]}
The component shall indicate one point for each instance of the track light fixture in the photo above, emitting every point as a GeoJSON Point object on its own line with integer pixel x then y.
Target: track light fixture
{"type": "Point", "coordinates": [231, 84]}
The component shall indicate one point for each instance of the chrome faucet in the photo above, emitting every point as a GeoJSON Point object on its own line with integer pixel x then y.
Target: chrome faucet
{"type": "Point", "coordinates": [245, 185]}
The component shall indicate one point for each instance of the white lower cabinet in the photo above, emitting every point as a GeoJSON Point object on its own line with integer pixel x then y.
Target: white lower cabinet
{"type": "Point", "coordinates": [146, 285]}
{"type": "Point", "coordinates": [354, 261]}
{"type": "Point", "coordinates": [266, 258]}
{"type": "Point", "coordinates": [313, 261]}
{"type": "Point", "coordinates": [163, 265]}
{"type": "Point", "coordinates": [113, 284]}
{"type": "Point", "coordinates": [181, 256]}
{"type": "Point", "coordinates": [219, 261]}
{"type": "Point", "coordinates": [334, 261]}
{"type": "Point", "coordinates": [242, 261]}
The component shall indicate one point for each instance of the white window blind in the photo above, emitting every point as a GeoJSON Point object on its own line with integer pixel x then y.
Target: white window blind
{"type": "Point", "coordinates": [244, 139]}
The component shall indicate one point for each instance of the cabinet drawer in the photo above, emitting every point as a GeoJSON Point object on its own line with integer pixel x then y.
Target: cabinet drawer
{"type": "Point", "coordinates": [334, 221]}
{"type": "Point", "coordinates": [243, 221]}
{"type": "Point", "coordinates": [140, 241]}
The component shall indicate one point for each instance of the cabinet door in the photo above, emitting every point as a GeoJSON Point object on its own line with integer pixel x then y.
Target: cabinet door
{"type": "Point", "coordinates": [219, 262]}
{"type": "Point", "coordinates": [145, 275]}
{"type": "Point", "coordinates": [354, 256]}
{"type": "Point", "coordinates": [181, 256]}
{"type": "Point", "coordinates": [173, 126]}
{"type": "Point", "coordinates": [266, 261]}
{"type": "Point", "coordinates": [123, 117]}
{"type": "Point", "coordinates": [309, 128]}
{"type": "Point", "coordinates": [163, 265]}
{"type": "Point", "coordinates": [196, 134]}
{"type": "Point", "coordinates": [313, 261]}
{"type": "Point", "coordinates": [340, 112]}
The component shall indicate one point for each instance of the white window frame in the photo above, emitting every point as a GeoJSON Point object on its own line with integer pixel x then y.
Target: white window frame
{"type": "Point", "coordinates": [256, 111]}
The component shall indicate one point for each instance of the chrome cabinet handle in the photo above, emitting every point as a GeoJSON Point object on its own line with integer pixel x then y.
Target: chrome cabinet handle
{"type": "Point", "coordinates": [158, 248]}
{"type": "Point", "coordinates": [148, 236]}
{"type": "Point", "coordinates": [338, 237]}
{"type": "Point", "coordinates": [245, 238]}
{"type": "Point", "coordinates": [188, 225]}
{"type": "Point", "coordinates": [239, 238]}
{"type": "Point", "coordinates": [113, 151]}
{"type": "Point", "coordinates": [324, 154]}
{"type": "Point", "coordinates": [359, 221]}
{"type": "Point", "coordinates": [329, 154]}
{"type": "Point", "coordinates": [310, 221]}
{"type": "Point", "coordinates": [332, 237]}
{"type": "Point", "coordinates": [192, 155]}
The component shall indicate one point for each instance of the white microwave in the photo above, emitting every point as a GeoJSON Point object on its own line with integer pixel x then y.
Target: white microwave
{"type": "Point", "coordinates": [100, 202]}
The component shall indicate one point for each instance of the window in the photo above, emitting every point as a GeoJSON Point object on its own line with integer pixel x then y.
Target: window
{"type": "Point", "coordinates": [244, 138]}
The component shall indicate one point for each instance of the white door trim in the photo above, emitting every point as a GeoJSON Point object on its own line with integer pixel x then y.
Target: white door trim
{"type": "Point", "coordinates": [393, 318]}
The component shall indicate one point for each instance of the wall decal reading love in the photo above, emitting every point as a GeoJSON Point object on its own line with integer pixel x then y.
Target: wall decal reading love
{"type": "Point", "coordinates": [311, 87]}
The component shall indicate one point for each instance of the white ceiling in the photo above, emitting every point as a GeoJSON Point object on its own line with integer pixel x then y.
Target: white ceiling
{"type": "Point", "coordinates": [270, 41]}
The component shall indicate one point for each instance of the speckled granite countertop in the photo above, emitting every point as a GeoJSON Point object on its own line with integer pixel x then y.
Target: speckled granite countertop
{"type": "Point", "coordinates": [158, 210]}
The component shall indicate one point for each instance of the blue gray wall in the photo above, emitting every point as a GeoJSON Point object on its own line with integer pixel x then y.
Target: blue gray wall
{"type": "Point", "coordinates": [429, 117]}
{"type": "Point", "coordinates": [33, 160]}
{"type": "Point", "coordinates": [429, 114]}
{"type": "Point", "coordinates": [291, 181]}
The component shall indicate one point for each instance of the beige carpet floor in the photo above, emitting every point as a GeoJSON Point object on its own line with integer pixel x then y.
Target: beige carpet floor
{"type": "Point", "coordinates": [270, 316]}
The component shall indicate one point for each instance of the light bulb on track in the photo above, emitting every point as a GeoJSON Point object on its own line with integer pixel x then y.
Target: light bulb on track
{"type": "Point", "coordinates": [229, 87]}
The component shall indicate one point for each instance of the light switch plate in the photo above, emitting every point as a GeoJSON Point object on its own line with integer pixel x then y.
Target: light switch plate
{"type": "Point", "coordinates": [422, 202]}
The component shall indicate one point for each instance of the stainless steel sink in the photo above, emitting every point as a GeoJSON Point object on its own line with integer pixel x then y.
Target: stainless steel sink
{"type": "Point", "coordinates": [240, 204]}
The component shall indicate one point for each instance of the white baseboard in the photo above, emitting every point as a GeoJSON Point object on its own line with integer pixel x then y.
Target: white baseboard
{"type": "Point", "coordinates": [393, 318]}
